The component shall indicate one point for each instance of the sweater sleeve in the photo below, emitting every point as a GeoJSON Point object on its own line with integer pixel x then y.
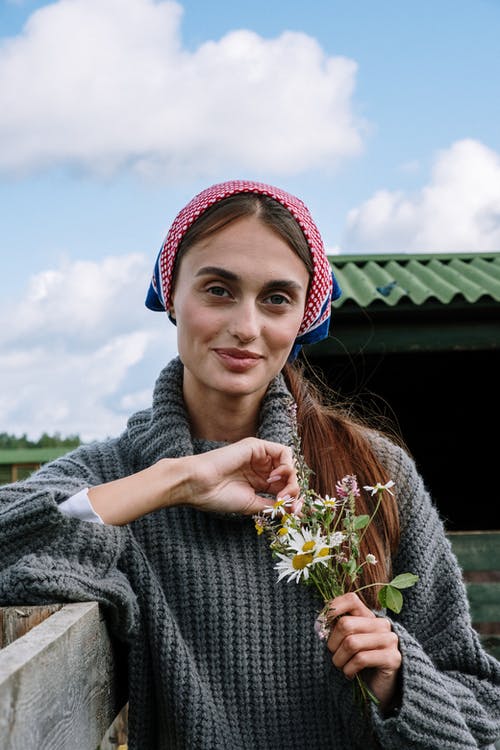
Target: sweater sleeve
{"type": "Point", "coordinates": [47, 556]}
{"type": "Point", "coordinates": [79, 506]}
{"type": "Point", "coordinates": [450, 685]}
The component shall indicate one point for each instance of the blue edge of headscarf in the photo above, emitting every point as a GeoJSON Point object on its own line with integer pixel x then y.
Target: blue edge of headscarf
{"type": "Point", "coordinates": [153, 302]}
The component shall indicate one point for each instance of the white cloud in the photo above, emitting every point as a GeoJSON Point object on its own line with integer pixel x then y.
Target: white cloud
{"type": "Point", "coordinates": [66, 391]}
{"type": "Point", "coordinates": [80, 351]}
{"type": "Point", "coordinates": [93, 300]}
{"type": "Point", "coordinates": [106, 83]}
{"type": "Point", "coordinates": [458, 211]}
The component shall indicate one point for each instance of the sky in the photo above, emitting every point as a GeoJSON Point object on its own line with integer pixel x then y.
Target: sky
{"type": "Point", "coordinates": [384, 117]}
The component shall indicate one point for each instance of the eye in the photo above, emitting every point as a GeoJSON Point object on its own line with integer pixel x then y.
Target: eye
{"type": "Point", "coordinates": [217, 291]}
{"type": "Point", "coordinates": [277, 299]}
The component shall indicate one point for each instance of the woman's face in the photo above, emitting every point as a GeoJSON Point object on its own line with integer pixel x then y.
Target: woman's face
{"type": "Point", "coordinates": [238, 302]}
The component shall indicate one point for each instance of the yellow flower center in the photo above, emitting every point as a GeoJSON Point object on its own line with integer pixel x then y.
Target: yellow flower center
{"type": "Point", "coordinates": [299, 562]}
{"type": "Point", "coordinates": [308, 546]}
{"type": "Point", "coordinates": [283, 531]}
{"type": "Point", "coordinates": [324, 551]}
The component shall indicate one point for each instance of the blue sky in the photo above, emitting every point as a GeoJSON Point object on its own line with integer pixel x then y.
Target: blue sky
{"type": "Point", "coordinates": [384, 117]}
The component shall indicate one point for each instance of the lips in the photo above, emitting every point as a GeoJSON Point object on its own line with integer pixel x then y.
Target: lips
{"type": "Point", "coordinates": [238, 360]}
{"type": "Point", "coordinates": [238, 353]}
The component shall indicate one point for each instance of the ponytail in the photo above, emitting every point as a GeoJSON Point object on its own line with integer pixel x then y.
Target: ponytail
{"type": "Point", "coordinates": [335, 444]}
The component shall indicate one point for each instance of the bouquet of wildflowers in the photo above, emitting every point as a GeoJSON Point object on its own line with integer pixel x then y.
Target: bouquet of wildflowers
{"type": "Point", "coordinates": [320, 545]}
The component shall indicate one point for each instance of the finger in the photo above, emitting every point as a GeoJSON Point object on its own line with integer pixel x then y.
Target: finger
{"type": "Point", "coordinates": [372, 660]}
{"type": "Point", "coordinates": [297, 506]}
{"type": "Point", "coordinates": [358, 645]}
{"type": "Point", "coordinates": [349, 604]}
{"type": "Point", "coordinates": [273, 458]}
{"type": "Point", "coordinates": [285, 486]}
{"type": "Point", "coordinates": [382, 659]}
{"type": "Point", "coordinates": [363, 650]}
{"type": "Point", "coordinates": [350, 625]}
{"type": "Point", "coordinates": [280, 455]}
{"type": "Point", "coordinates": [256, 505]}
{"type": "Point", "coordinates": [275, 476]}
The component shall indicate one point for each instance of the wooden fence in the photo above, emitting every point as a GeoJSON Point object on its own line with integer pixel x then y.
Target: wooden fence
{"type": "Point", "coordinates": [60, 682]}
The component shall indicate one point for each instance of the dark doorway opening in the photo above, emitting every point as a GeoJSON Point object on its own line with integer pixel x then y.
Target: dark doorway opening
{"type": "Point", "coordinates": [446, 407]}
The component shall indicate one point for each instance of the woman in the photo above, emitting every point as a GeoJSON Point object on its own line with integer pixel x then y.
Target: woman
{"type": "Point", "coordinates": [221, 656]}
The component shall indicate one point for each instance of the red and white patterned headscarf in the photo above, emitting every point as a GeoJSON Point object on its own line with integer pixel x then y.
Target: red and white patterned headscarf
{"type": "Point", "coordinates": [323, 287]}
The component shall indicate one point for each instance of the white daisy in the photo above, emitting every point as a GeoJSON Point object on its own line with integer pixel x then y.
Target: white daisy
{"type": "Point", "coordinates": [279, 508]}
{"type": "Point", "coordinates": [303, 541]}
{"type": "Point", "coordinates": [325, 503]}
{"type": "Point", "coordinates": [293, 568]}
{"type": "Point", "coordinates": [309, 549]}
{"type": "Point", "coordinates": [380, 487]}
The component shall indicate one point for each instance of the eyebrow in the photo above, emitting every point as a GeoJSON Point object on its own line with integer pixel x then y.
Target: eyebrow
{"type": "Point", "coordinates": [230, 276]}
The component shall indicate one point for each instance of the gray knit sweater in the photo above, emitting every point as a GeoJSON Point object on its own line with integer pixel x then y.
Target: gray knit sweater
{"type": "Point", "coordinates": [221, 656]}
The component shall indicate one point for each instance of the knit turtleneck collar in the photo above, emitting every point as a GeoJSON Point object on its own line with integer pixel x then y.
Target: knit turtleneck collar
{"type": "Point", "coordinates": [164, 430]}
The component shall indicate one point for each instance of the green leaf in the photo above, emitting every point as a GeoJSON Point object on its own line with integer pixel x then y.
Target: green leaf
{"type": "Point", "coordinates": [404, 581]}
{"type": "Point", "coordinates": [359, 522]}
{"type": "Point", "coordinates": [390, 598]}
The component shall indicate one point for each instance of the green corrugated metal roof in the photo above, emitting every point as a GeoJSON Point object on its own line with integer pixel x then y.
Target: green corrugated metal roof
{"type": "Point", "coordinates": [31, 455]}
{"type": "Point", "coordinates": [417, 278]}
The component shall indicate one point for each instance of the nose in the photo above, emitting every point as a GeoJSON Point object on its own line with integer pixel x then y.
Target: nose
{"type": "Point", "coordinates": [244, 324]}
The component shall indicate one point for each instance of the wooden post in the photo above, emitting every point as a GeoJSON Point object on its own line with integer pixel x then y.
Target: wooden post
{"type": "Point", "coordinates": [17, 621]}
{"type": "Point", "coordinates": [58, 683]}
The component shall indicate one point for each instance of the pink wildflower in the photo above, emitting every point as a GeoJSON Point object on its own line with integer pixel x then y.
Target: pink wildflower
{"type": "Point", "coordinates": [347, 486]}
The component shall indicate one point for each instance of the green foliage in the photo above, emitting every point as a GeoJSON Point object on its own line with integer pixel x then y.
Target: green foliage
{"type": "Point", "coordinates": [359, 522]}
{"type": "Point", "coordinates": [404, 581]}
{"type": "Point", "coordinates": [390, 595]}
{"type": "Point", "coordinates": [13, 442]}
{"type": "Point", "coordinates": [390, 598]}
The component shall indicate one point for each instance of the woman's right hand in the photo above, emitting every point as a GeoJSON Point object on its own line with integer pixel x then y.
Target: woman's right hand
{"type": "Point", "coordinates": [226, 480]}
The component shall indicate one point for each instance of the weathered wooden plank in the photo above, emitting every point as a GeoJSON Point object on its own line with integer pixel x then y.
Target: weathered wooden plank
{"type": "Point", "coordinates": [16, 621]}
{"type": "Point", "coordinates": [484, 600]}
{"type": "Point", "coordinates": [478, 553]}
{"type": "Point", "coordinates": [476, 550]}
{"type": "Point", "coordinates": [492, 645]}
{"type": "Point", "coordinates": [57, 683]}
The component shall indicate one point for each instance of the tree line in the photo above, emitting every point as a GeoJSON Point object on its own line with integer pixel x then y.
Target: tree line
{"type": "Point", "coordinates": [9, 442]}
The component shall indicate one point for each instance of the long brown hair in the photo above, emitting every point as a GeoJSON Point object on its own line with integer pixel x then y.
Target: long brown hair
{"type": "Point", "coordinates": [334, 442]}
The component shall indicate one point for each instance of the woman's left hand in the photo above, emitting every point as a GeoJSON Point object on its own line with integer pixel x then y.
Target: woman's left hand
{"type": "Point", "coordinates": [362, 641]}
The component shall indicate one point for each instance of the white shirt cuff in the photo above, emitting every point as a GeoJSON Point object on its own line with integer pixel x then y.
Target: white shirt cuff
{"type": "Point", "coordinates": [78, 506]}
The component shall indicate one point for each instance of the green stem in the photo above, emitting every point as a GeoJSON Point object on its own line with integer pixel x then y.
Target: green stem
{"type": "Point", "coordinates": [379, 500]}
{"type": "Point", "coordinates": [366, 693]}
{"type": "Point", "coordinates": [367, 586]}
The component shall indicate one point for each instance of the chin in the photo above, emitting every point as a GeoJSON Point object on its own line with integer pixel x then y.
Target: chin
{"type": "Point", "coordinates": [234, 383]}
